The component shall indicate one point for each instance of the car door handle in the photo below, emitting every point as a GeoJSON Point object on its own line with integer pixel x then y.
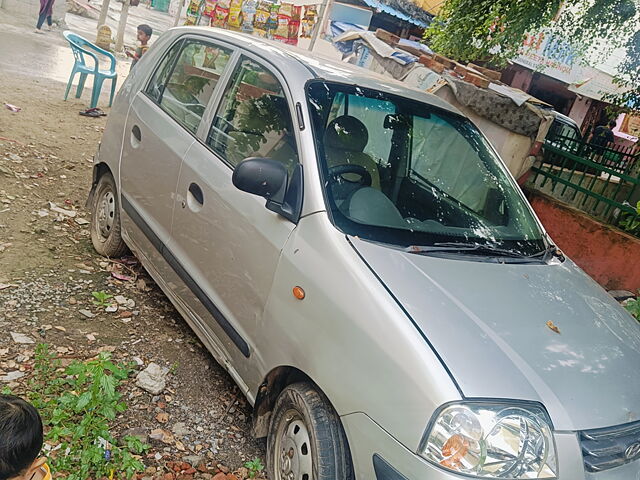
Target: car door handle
{"type": "Point", "coordinates": [196, 192]}
{"type": "Point", "coordinates": [137, 134]}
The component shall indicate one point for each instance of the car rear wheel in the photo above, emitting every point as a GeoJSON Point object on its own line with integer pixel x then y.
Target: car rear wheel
{"type": "Point", "coordinates": [105, 219]}
{"type": "Point", "coordinates": [306, 440]}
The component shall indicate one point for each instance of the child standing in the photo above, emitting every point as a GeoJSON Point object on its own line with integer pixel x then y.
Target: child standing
{"type": "Point", "coordinates": [21, 439]}
{"type": "Point", "coordinates": [144, 34]}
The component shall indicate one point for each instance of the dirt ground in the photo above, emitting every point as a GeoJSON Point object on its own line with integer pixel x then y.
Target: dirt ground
{"type": "Point", "coordinates": [48, 270]}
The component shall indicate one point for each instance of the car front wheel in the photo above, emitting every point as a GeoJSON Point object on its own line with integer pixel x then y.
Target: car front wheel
{"type": "Point", "coordinates": [105, 219]}
{"type": "Point", "coordinates": [306, 440]}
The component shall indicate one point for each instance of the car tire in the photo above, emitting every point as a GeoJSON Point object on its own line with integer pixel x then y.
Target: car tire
{"type": "Point", "coordinates": [306, 440]}
{"type": "Point", "coordinates": [105, 219]}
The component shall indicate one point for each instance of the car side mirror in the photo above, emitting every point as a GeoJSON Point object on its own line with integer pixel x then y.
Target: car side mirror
{"type": "Point", "coordinates": [269, 179]}
{"type": "Point", "coordinates": [263, 177]}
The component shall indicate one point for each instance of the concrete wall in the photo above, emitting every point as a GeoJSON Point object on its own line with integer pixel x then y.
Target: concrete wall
{"type": "Point", "coordinates": [579, 110]}
{"type": "Point", "coordinates": [522, 80]}
{"type": "Point", "coordinates": [610, 256]}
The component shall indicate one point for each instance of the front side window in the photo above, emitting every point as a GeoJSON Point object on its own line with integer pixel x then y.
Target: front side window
{"type": "Point", "coordinates": [253, 119]}
{"type": "Point", "coordinates": [406, 173]}
{"type": "Point", "coordinates": [185, 93]}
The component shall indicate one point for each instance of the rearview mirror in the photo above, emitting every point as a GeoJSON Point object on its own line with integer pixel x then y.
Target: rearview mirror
{"type": "Point", "coordinates": [263, 177]}
{"type": "Point", "coordinates": [269, 179]}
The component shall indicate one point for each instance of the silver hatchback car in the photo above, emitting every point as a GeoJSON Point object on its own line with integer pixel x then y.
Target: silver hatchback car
{"type": "Point", "coordinates": [394, 310]}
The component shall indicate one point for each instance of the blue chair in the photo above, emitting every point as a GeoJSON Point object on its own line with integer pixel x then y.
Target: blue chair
{"type": "Point", "coordinates": [80, 47]}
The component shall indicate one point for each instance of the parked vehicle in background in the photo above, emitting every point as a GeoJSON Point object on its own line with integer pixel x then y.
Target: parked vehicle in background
{"type": "Point", "coordinates": [564, 134]}
{"type": "Point", "coordinates": [359, 259]}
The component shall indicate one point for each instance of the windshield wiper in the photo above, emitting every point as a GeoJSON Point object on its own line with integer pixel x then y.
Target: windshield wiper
{"type": "Point", "coordinates": [552, 250]}
{"type": "Point", "coordinates": [464, 247]}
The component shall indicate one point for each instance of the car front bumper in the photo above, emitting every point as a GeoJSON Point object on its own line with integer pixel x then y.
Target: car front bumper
{"type": "Point", "coordinates": [377, 455]}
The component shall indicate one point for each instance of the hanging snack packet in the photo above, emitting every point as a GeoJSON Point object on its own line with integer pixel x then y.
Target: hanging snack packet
{"type": "Point", "coordinates": [194, 6]}
{"type": "Point", "coordinates": [286, 9]}
{"type": "Point", "coordinates": [272, 22]}
{"type": "Point", "coordinates": [209, 7]}
{"type": "Point", "coordinates": [282, 30]}
{"type": "Point", "coordinates": [235, 15]}
{"type": "Point", "coordinates": [262, 15]}
{"type": "Point", "coordinates": [220, 16]}
{"type": "Point", "coordinates": [248, 13]}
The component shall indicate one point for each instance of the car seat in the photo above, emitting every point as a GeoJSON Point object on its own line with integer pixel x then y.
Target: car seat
{"type": "Point", "coordinates": [372, 207]}
{"type": "Point", "coordinates": [344, 142]}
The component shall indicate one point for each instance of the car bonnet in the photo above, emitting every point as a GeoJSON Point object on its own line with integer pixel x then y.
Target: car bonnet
{"type": "Point", "coordinates": [538, 332]}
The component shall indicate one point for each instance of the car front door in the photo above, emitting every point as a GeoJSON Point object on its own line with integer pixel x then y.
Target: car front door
{"type": "Point", "coordinates": [161, 126]}
{"type": "Point", "coordinates": [226, 238]}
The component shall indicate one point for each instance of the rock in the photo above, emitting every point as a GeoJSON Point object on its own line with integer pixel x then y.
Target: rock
{"type": "Point", "coordinates": [621, 295]}
{"type": "Point", "coordinates": [139, 432]}
{"type": "Point", "coordinates": [153, 379]}
{"type": "Point", "coordinates": [62, 211]}
{"type": "Point", "coordinates": [162, 417]}
{"type": "Point", "coordinates": [161, 435]}
{"type": "Point", "coordinates": [138, 361]}
{"type": "Point", "coordinates": [219, 476]}
{"type": "Point", "coordinates": [21, 338]}
{"type": "Point", "coordinates": [86, 313]}
{"type": "Point", "coordinates": [82, 221]}
{"type": "Point", "coordinates": [193, 460]}
{"type": "Point", "coordinates": [120, 299]}
{"type": "Point", "coordinates": [12, 376]}
{"type": "Point", "coordinates": [111, 309]}
{"type": "Point", "coordinates": [180, 429]}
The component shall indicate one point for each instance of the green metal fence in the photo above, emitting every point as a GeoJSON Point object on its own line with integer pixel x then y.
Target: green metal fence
{"type": "Point", "coordinates": [604, 182]}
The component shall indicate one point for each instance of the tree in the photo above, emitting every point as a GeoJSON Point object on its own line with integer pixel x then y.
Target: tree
{"type": "Point", "coordinates": [494, 31]}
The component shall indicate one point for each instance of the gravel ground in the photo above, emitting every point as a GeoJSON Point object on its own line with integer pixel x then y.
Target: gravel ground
{"type": "Point", "coordinates": [48, 270]}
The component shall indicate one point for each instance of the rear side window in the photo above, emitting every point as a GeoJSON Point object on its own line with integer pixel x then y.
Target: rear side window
{"type": "Point", "coordinates": [184, 91]}
{"type": "Point", "coordinates": [159, 79]}
{"type": "Point", "coordinates": [253, 119]}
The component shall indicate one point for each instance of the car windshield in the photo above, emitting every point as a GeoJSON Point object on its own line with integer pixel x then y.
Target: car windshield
{"type": "Point", "coordinates": [406, 173]}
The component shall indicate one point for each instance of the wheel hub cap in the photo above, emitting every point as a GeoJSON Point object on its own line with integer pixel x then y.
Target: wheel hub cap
{"type": "Point", "coordinates": [294, 451]}
{"type": "Point", "coordinates": [106, 213]}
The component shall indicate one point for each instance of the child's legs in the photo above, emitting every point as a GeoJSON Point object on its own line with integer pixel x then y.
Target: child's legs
{"type": "Point", "coordinates": [49, 21]}
{"type": "Point", "coordinates": [41, 19]}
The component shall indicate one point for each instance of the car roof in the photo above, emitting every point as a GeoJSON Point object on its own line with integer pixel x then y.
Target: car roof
{"type": "Point", "coordinates": [301, 63]}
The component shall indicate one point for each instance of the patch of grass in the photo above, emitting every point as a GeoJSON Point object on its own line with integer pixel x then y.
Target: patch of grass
{"type": "Point", "coordinates": [101, 298]}
{"type": "Point", "coordinates": [76, 404]}
{"type": "Point", "coordinates": [254, 466]}
{"type": "Point", "coordinates": [633, 307]}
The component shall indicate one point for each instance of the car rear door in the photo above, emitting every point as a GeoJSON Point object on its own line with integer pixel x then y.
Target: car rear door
{"type": "Point", "coordinates": [228, 241]}
{"type": "Point", "coordinates": [162, 123]}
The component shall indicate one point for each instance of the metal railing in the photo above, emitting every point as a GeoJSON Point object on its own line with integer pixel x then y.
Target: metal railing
{"type": "Point", "coordinates": [602, 181]}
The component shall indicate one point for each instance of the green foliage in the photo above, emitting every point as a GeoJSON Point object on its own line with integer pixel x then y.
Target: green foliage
{"type": "Point", "coordinates": [633, 307]}
{"type": "Point", "coordinates": [77, 403]}
{"type": "Point", "coordinates": [494, 31]}
{"type": "Point", "coordinates": [630, 222]}
{"type": "Point", "coordinates": [254, 466]}
{"type": "Point", "coordinates": [101, 298]}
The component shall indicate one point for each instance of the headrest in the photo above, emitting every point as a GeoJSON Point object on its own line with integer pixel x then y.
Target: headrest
{"type": "Point", "coordinates": [346, 133]}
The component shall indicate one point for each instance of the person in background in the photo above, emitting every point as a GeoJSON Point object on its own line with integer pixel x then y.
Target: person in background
{"type": "Point", "coordinates": [144, 34]}
{"type": "Point", "coordinates": [21, 439]}
{"type": "Point", "coordinates": [46, 10]}
{"type": "Point", "coordinates": [601, 137]}
{"type": "Point", "coordinates": [603, 134]}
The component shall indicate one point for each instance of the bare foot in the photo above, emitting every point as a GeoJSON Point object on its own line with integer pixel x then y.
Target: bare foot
{"type": "Point", "coordinates": [37, 30]}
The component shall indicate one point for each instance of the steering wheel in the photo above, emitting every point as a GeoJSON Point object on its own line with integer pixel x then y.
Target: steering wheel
{"type": "Point", "coordinates": [336, 173]}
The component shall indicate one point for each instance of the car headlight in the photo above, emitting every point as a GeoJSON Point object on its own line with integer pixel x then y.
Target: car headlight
{"type": "Point", "coordinates": [492, 440]}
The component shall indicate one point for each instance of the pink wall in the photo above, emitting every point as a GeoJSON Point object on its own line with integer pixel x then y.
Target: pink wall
{"type": "Point", "coordinates": [608, 255]}
{"type": "Point", "coordinates": [522, 79]}
{"type": "Point", "coordinates": [579, 110]}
